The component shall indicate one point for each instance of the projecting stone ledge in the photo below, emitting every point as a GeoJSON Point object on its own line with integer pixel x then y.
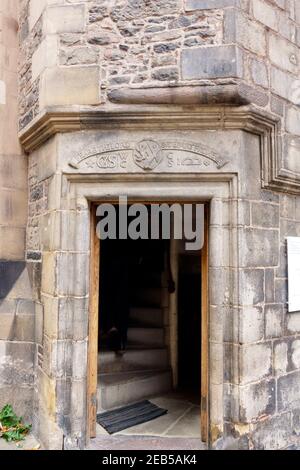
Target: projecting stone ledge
{"type": "Point", "coordinates": [236, 94]}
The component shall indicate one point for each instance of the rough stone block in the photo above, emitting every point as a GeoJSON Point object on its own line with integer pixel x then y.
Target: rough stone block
{"type": "Point", "coordinates": [287, 206]}
{"type": "Point", "coordinates": [295, 354]}
{"type": "Point", "coordinates": [284, 84]}
{"type": "Point", "coordinates": [14, 280]}
{"type": "Point", "coordinates": [293, 322]}
{"type": "Point", "coordinates": [265, 215]}
{"type": "Point", "coordinates": [296, 421]}
{"type": "Point", "coordinates": [63, 86]}
{"type": "Point", "coordinates": [8, 307]}
{"type": "Point", "coordinates": [221, 277]}
{"type": "Point", "coordinates": [57, 358]}
{"type": "Point", "coordinates": [259, 247]}
{"type": "Point", "coordinates": [259, 73]}
{"type": "Point", "coordinates": [208, 4]}
{"type": "Point", "coordinates": [64, 19]}
{"type": "Point", "coordinates": [269, 286]}
{"type": "Point", "coordinates": [45, 56]}
{"type": "Point", "coordinates": [288, 391]}
{"type": "Point", "coordinates": [251, 35]}
{"type": "Point", "coordinates": [251, 324]}
{"type": "Point", "coordinates": [73, 274]}
{"type": "Point", "coordinates": [212, 62]}
{"type": "Point", "coordinates": [79, 355]}
{"type": "Point", "coordinates": [73, 318]}
{"type": "Point", "coordinates": [39, 323]}
{"type": "Point", "coordinates": [50, 307]}
{"type": "Point", "coordinates": [273, 320]}
{"type": "Point", "coordinates": [272, 434]}
{"type": "Point", "coordinates": [17, 362]}
{"type": "Point", "coordinates": [21, 399]}
{"type": "Point", "coordinates": [293, 121]}
{"type": "Point", "coordinates": [284, 54]}
{"type": "Point", "coordinates": [281, 357]}
{"type": "Point", "coordinates": [281, 291]}
{"type": "Point", "coordinates": [7, 326]}
{"type": "Point", "coordinates": [72, 238]}
{"type": "Point", "coordinates": [36, 8]}
{"type": "Point", "coordinates": [24, 327]}
{"type": "Point", "coordinates": [266, 14]}
{"type": "Point", "coordinates": [257, 400]}
{"type": "Point", "coordinates": [15, 249]}
{"type": "Point", "coordinates": [251, 364]}
{"type": "Point", "coordinates": [49, 280]}
{"type": "Point", "coordinates": [251, 286]}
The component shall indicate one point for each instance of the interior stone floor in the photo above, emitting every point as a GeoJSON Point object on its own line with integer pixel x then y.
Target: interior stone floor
{"type": "Point", "coordinates": [177, 430]}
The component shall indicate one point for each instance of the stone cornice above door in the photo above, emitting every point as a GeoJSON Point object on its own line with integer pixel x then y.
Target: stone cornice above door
{"type": "Point", "coordinates": [277, 172]}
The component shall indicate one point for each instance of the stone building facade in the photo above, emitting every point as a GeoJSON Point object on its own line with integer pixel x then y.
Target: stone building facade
{"type": "Point", "coordinates": [88, 79]}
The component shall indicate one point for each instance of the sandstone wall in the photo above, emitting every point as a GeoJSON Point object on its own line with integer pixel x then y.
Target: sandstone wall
{"type": "Point", "coordinates": [16, 307]}
{"type": "Point", "coordinates": [101, 53]}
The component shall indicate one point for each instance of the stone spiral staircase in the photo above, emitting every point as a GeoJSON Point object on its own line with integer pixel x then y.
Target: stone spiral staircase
{"type": "Point", "coordinates": [143, 369]}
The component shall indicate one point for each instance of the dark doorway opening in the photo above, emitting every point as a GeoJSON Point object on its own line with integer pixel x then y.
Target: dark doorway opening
{"type": "Point", "coordinates": [189, 324]}
{"type": "Point", "coordinates": [136, 340]}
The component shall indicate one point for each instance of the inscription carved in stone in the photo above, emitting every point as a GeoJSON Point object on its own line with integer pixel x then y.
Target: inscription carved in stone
{"type": "Point", "coordinates": [148, 155]}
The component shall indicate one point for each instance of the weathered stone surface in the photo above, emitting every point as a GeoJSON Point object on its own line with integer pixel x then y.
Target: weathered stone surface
{"type": "Point", "coordinates": [288, 390]}
{"type": "Point", "coordinates": [46, 55]}
{"type": "Point", "coordinates": [264, 436]}
{"type": "Point", "coordinates": [10, 272]}
{"type": "Point", "coordinates": [259, 247]}
{"type": "Point", "coordinates": [265, 215]}
{"type": "Point", "coordinates": [251, 324]}
{"type": "Point", "coordinates": [259, 73]}
{"type": "Point", "coordinates": [206, 4]}
{"type": "Point", "coordinates": [293, 322]}
{"type": "Point", "coordinates": [283, 84]}
{"type": "Point", "coordinates": [265, 13]}
{"type": "Point", "coordinates": [257, 400]}
{"type": "Point", "coordinates": [218, 62]}
{"type": "Point", "coordinates": [212, 52]}
{"type": "Point", "coordinates": [166, 74]}
{"type": "Point", "coordinates": [64, 19]}
{"type": "Point", "coordinates": [293, 121]}
{"type": "Point", "coordinates": [251, 286]}
{"type": "Point", "coordinates": [269, 286]}
{"type": "Point", "coordinates": [63, 86]}
{"type": "Point", "coordinates": [251, 35]}
{"type": "Point", "coordinates": [17, 360]}
{"type": "Point", "coordinates": [284, 54]}
{"type": "Point", "coordinates": [252, 366]}
{"type": "Point", "coordinates": [273, 320]}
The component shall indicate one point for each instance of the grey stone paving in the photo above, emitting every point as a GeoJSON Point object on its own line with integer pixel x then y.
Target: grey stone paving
{"type": "Point", "coordinates": [178, 430]}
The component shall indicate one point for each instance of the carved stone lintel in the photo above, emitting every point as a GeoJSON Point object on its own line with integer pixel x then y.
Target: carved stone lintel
{"type": "Point", "coordinates": [276, 173]}
{"type": "Point", "coordinates": [148, 154]}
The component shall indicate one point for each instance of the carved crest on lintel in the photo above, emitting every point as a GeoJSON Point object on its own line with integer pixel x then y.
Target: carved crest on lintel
{"type": "Point", "coordinates": [148, 155]}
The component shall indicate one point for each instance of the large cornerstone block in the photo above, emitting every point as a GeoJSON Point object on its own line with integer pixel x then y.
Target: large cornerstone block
{"type": "Point", "coordinates": [212, 62]}
{"type": "Point", "coordinates": [76, 85]}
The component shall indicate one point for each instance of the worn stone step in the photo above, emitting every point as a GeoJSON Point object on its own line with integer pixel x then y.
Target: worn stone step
{"type": "Point", "coordinates": [148, 337]}
{"type": "Point", "coordinates": [152, 317]}
{"type": "Point", "coordinates": [120, 389]}
{"type": "Point", "coordinates": [146, 297]}
{"type": "Point", "coordinates": [134, 359]}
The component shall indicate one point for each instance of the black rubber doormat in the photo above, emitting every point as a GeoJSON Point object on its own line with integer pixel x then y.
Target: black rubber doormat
{"type": "Point", "coordinates": [128, 416]}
